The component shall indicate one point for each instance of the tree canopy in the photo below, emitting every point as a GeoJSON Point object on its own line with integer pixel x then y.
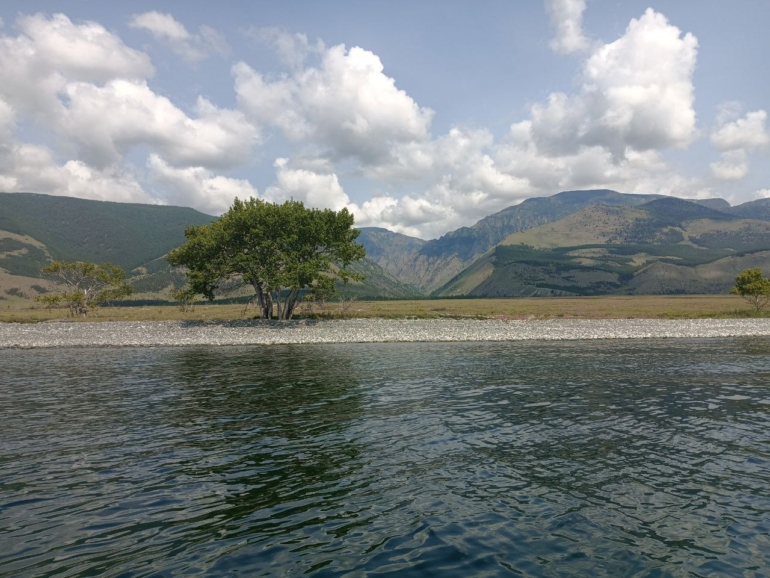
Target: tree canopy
{"type": "Point", "coordinates": [278, 249]}
{"type": "Point", "coordinates": [753, 287]}
{"type": "Point", "coordinates": [82, 286]}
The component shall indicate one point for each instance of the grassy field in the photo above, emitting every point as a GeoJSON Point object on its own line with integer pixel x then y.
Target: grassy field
{"type": "Point", "coordinates": [606, 307]}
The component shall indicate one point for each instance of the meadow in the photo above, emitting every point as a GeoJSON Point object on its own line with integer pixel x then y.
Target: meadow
{"type": "Point", "coordinates": [600, 307]}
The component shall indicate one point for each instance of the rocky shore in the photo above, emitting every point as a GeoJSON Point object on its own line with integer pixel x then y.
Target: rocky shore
{"type": "Point", "coordinates": [182, 333]}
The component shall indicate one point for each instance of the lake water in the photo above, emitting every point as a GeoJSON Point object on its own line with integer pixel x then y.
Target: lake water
{"type": "Point", "coordinates": [585, 458]}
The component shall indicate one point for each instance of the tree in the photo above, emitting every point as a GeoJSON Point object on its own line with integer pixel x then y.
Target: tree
{"type": "Point", "coordinates": [83, 286]}
{"type": "Point", "coordinates": [753, 287]}
{"type": "Point", "coordinates": [279, 250]}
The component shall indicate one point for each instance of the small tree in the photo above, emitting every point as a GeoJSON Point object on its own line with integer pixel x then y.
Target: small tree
{"type": "Point", "coordinates": [185, 298]}
{"type": "Point", "coordinates": [83, 286]}
{"type": "Point", "coordinates": [753, 287]}
{"type": "Point", "coordinates": [277, 249]}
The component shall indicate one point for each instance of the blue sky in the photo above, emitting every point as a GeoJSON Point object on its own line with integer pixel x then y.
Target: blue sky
{"type": "Point", "coordinates": [417, 116]}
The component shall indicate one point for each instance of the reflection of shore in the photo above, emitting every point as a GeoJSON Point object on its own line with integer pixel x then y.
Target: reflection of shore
{"type": "Point", "coordinates": [176, 333]}
{"type": "Point", "coordinates": [266, 427]}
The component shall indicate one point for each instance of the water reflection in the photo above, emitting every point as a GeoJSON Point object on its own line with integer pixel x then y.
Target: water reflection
{"type": "Point", "coordinates": [539, 459]}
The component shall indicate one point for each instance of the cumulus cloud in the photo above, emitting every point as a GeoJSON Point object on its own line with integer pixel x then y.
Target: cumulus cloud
{"type": "Point", "coordinates": [567, 22]}
{"type": "Point", "coordinates": [316, 189]}
{"type": "Point", "coordinates": [732, 166]}
{"type": "Point", "coordinates": [48, 52]}
{"type": "Point", "coordinates": [636, 93]}
{"type": "Point", "coordinates": [342, 114]}
{"type": "Point", "coordinates": [197, 186]}
{"type": "Point", "coordinates": [743, 133]}
{"type": "Point", "coordinates": [90, 91]}
{"type": "Point", "coordinates": [106, 121]}
{"type": "Point", "coordinates": [346, 105]}
{"type": "Point", "coordinates": [316, 186]}
{"type": "Point", "coordinates": [292, 49]}
{"type": "Point", "coordinates": [27, 167]}
{"type": "Point", "coordinates": [735, 136]}
{"type": "Point", "coordinates": [191, 47]}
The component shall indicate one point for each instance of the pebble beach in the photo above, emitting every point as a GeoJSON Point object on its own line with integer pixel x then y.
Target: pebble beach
{"type": "Point", "coordinates": [185, 333]}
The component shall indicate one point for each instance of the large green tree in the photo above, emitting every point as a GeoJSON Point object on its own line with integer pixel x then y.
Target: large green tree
{"type": "Point", "coordinates": [753, 287]}
{"type": "Point", "coordinates": [82, 286]}
{"type": "Point", "coordinates": [278, 249]}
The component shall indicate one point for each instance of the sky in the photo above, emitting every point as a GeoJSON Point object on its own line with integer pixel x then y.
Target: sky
{"type": "Point", "coordinates": [420, 117]}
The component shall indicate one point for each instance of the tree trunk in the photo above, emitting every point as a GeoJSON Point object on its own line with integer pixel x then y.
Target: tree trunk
{"type": "Point", "coordinates": [289, 304]}
{"type": "Point", "coordinates": [264, 301]}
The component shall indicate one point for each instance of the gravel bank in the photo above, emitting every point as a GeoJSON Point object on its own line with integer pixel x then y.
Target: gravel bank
{"type": "Point", "coordinates": [179, 333]}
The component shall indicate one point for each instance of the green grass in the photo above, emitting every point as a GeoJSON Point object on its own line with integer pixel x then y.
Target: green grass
{"type": "Point", "coordinates": [604, 307]}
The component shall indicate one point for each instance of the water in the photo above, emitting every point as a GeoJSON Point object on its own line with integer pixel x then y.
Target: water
{"type": "Point", "coordinates": [604, 458]}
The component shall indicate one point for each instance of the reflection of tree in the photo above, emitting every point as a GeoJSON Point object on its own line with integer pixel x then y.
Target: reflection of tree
{"type": "Point", "coordinates": [755, 345]}
{"type": "Point", "coordinates": [269, 424]}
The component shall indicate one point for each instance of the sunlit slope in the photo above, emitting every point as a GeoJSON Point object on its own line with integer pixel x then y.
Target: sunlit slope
{"type": "Point", "coordinates": [439, 260]}
{"type": "Point", "coordinates": [665, 246]}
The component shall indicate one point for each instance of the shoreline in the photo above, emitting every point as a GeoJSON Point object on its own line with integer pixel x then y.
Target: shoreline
{"type": "Point", "coordinates": [225, 333]}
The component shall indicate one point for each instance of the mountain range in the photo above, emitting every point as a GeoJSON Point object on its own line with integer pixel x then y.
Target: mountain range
{"type": "Point", "coordinates": [488, 259]}
{"type": "Point", "coordinates": [571, 243]}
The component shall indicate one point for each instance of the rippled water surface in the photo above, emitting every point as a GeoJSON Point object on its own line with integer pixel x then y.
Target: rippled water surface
{"type": "Point", "coordinates": [603, 458]}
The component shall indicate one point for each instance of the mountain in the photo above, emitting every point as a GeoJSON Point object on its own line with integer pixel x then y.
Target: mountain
{"type": "Point", "coordinates": [437, 261]}
{"type": "Point", "coordinates": [666, 245]}
{"type": "Point", "coordinates": [391, 251]}
{"type": "Point", "coordinates": [36, 229]}
{"type": "Point", "coordinates": [128, 235]}
{"type": "Point", "coordinates": [759, 209]}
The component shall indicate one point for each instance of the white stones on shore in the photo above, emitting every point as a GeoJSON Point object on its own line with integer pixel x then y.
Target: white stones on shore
{"type": "Point", "coordinates": [182, 333]}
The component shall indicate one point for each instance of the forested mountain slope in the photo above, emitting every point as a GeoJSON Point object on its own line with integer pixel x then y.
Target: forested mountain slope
{"type": "Point", "coordinates": [667, 245]}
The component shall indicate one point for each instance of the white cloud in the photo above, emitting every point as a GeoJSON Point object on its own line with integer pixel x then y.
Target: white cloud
{"type": "Point", "coordinates": [567, 22]}
{"type": "Point", "coordinates": [292, 49]}
{"type": "Point", "coordinates": [762, 194]}
{"type": "Point", "coordinates": [634, 101]}
{"type": "Point", "coordinates": [106, 121]}
{"type": "Point", "coordinates": [346, 105]}
{"type": "Point", "coordinates": [636, 93]}
{"type": "Point", "coordinates": [32, 168]}
{"type": "Point", "coordinates": [743, 133]}
{"type": "Point", "coordinates": [321, 190]}
{"type": "Point", "coordinates": [36, 65]}
{"type": "Point", "coordinates": [197, 187]}
{"type": "Point", "coordinates": [732, 166]}
{"type": "Point", "coordinates": [191, 47]}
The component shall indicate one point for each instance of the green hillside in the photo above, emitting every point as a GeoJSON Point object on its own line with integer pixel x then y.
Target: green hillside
{"type": "Point", "coordinates": [35, 229]}
{"type": "Point", "coordinates": [128, 235]}
{"type": "Point", "coordinates": [664, 246]}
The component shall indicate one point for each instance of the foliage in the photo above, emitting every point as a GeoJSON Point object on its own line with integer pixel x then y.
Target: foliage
{"type": "Point", "coordinates": [753, 287]}
{"type": "Point", "coordinates": [185, 298]}
{"type": "Point", "coordinates": [40, 289]}
{"type": "Point", "coordinates": [277, 249]}
{"type": "Point", "coordinates": [83, 286]}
